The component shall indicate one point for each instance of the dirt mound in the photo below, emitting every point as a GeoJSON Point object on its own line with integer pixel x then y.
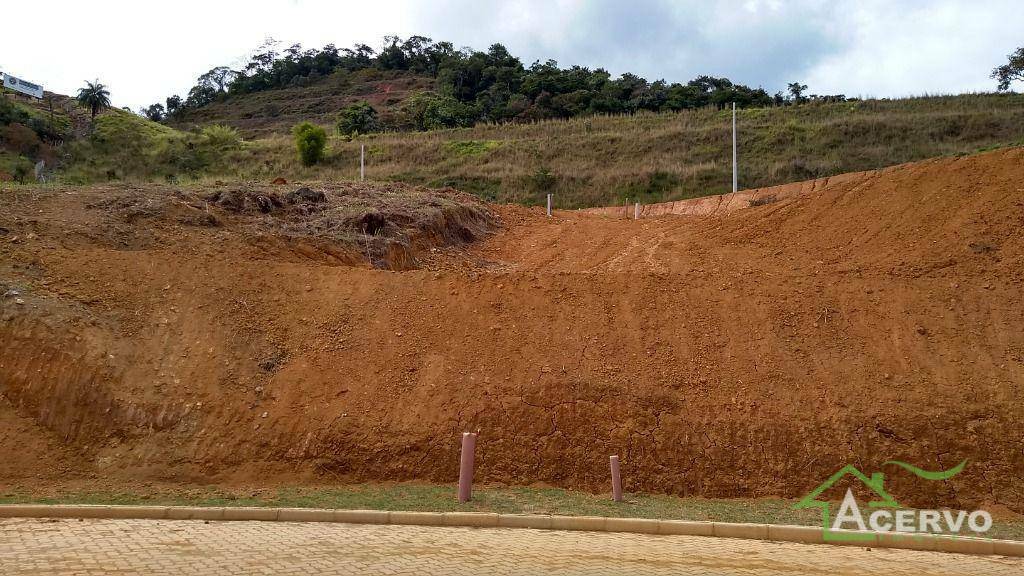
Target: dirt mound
{"type": "Point", "coordinates": [388, 226]}
{"type": "Point", "coordinates": [870, 318]}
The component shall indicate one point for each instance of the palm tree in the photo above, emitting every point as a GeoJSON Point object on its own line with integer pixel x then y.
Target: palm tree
{"type": "Point", "coordinates": [95, 96]}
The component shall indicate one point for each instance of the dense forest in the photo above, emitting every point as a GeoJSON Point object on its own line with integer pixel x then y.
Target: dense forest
{"type": "Point", "coordinates": [471, 86]}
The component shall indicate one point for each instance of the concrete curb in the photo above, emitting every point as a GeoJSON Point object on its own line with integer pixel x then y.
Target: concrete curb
{"type": "Point", "coordinates": [773, 532]}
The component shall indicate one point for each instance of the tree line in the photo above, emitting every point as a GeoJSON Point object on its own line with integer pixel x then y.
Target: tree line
{"type": "Point", "coordinates": [473, 86]}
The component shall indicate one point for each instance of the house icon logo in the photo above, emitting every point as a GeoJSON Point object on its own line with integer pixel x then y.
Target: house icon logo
{"type": "Point", "coordinates": [884, 506]}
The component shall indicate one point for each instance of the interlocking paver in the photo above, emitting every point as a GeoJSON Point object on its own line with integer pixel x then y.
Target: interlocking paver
{"type": "Point", "coordinates": [192, 547]}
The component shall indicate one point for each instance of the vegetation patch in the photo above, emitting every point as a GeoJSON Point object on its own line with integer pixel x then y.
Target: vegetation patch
{"type": "Point", "coordinates": [763, 200]}
{"type": "Point", "coordinates": [654, 187]}
{"type": "Point", "coordinates": [471, 147]}
{"type": "Point", "coordinates": [221, 136]}
{"type": "Point", "coordinates": [484, 187]}
{"type": "Point", "coordinates": [310, 141]}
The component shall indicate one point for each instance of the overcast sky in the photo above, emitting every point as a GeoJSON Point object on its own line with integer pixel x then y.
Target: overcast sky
{"type": "Point", "coordinates": [145, 50]}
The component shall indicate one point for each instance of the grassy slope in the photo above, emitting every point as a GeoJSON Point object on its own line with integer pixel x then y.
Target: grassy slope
{"type": "Point", "coordinates": [663, 157]}
{"type": "Point", "coordinates": [585, 162]}
{"type": "Point", "coordinates": [57, 117]}
{"type": "Point", "coordinates": [674, 156]}
{"type": "Point", "coordinates": [124, 145]}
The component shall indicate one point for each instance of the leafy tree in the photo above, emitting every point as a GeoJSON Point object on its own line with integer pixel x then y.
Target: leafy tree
{"type": "Point", "coordinates": [474, 86]}
{"type": "Point", "coordinates": [310, 141]}
{"type": "Point", "coordinates": [796, 92]}
{"type": "Point", "coordinates": [154, 112]}
{"type": "Point", "coordinates": [358, 118]}
{"type": "Point", "coordinates": [1010, 72]}
{"type": "Point", "coordinates": [392, 57]}
{"type": "Point", "coordinates": [357, 57]}
{"type": "Point", "coordinates": [200, 96]}
{"type": "Point", "coordinates": [218, 78]}
{"type": "Point", "coordinates": [94, 96]}
{"type": "Point", "coordinates": [210, 87]}
{"type": "Point", "coordinates": [174, 105]}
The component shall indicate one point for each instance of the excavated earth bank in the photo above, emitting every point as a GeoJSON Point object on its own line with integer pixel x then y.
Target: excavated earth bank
{"type": "Point", "coordinates": [189, 336]}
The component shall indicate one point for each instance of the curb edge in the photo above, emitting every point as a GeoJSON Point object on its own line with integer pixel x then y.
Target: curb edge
{"type": "Point", "coordinates": [767, 532]}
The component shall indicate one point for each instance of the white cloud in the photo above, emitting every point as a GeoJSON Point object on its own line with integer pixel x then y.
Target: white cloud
{"type": "Point", "coordinates": [148, 50]}
{"type": "Point", "coordinates": [145, 50]}
{"type": "Point", "coordinates": [908, 48]}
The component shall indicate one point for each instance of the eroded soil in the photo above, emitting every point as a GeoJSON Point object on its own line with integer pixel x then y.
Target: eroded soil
{"type": "Point", "coordinates": [740, 353]}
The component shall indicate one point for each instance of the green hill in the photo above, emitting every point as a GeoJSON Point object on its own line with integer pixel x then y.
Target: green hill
{"type": "Point", "coordinates": [269, 112]}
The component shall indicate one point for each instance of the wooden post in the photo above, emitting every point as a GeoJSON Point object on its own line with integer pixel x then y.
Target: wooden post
{"type": "Point", "coordinates": [636, 211]}
{"type": "Point", "coordinates": [616, 479]}
{"type": "Point", "coordinates": [549, 204]}
{"type": "Point", "coordinates": [362, 161]}
{"type": "Point", "coordinates": [466, 467]}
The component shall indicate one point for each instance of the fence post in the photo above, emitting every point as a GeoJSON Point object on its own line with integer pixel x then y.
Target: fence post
{"type": "Point", "coordinates": [734, 178]}
{"type": "Point", "coordinates": [362, 161]}
{"type": "Point", "coordinates": [466, 466]}
{"type": "Point", "coordinates": [636, 211]}
{"type": "Point", "coordinates": [616, 479]}
{"type": "Point", "coordinates": [549, 204]}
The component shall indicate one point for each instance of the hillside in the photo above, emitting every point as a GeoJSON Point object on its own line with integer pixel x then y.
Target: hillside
{"type": "Point", "coordinates": [656, 158]}
{"type": "Point", "coordinates": [601, 160]}
{"type": "Point", "coordinates": [158, 334]}
{"type": "Point", "coordinates": [584, 162]}
{"type": "Point", "coordinates": [260, 114]}
{"type": "Point", "coordinates": [659, 157]}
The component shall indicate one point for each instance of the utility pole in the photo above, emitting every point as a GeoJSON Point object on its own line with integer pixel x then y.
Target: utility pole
{"type": "Point", "coordinates": [734, 179]}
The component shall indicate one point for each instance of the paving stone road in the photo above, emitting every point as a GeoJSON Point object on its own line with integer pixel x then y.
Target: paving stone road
{"type": "Point", "coordinates": [187, 547]}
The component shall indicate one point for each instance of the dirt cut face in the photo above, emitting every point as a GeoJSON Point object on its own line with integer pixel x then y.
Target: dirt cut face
{"type": "Point", "coordinates": [743, 353]}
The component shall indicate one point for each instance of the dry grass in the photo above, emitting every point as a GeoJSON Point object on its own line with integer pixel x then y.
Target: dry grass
{"type": "Point", "coordinates": [659, 157]}
{"type": "Point", "coordinates": [604, 160]}
{"type": "Point", "coordinates": [384, 225]}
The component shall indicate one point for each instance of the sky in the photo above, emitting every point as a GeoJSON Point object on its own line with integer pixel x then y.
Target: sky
{"type": "Point", "coordinates": [145, 51]}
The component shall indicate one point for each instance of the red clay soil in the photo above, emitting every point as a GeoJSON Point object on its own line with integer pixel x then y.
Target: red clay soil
{"type": "Point", "coordinates": [746, 353]}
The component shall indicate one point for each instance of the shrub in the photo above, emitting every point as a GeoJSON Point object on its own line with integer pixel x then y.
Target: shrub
{"type": "Point", "coordinates": [358, 118]}
{"type": "Point", "coordinates": [310, 141]}
{"type": "Point", "coordinates": [21, 169]}
{"type": "Point", "coordinates": [47, 128]}
{"type": "Point", "coordinates": [426, 111]}
{"type": "Point", "coordinates": [20, 138]}
{"type": "Point", "coordinates": [221, 136]}
{"type": "Point", "coordinates": [542, 180]}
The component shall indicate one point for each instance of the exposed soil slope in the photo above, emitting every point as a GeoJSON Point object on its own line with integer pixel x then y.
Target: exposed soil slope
{"type": "Point", "coordinates": [749, 352]}
{"type": "Point", "coordinates": [261, 114]}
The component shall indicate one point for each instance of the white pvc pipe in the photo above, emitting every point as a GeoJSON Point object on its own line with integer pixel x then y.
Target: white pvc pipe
{"type": "Point", "coordinates": [735, 179]}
